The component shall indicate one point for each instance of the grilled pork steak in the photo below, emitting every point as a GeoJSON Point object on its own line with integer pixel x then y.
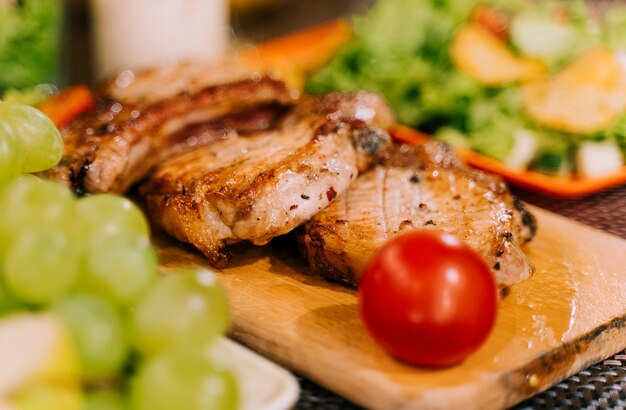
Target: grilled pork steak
{"type": "Point", "coordinates": [156, 84]}
{"type": "Point", "coordinates": [420, 187]}
{"type": "Point", "coordinates": [114, 145]}
{"type": "Point", "coordinates": [246, 122]}
{"type": "Point", "coordinates": [257, 187]}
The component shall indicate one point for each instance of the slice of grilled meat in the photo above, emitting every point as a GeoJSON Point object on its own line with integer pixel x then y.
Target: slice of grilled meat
{"type": "Point", "coordinates": [114, 145]}
{"type": "Point", "coordinates": [257, 187]}
{"type": "Point", "coordinates": [151, 85]}
{"type": "Point", "coordinates": [420, 187]}
{"type": "Point", "coordinates": [247, 122]}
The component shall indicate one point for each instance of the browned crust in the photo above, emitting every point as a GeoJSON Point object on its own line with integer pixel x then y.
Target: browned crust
{"type": "Point", "coordinates": [328, 261]}
{"type": "Point", "coordinates": [168, 199]}
{"type": "Point", "coordinates": [185, 210]}
{"type": "Point", "coordinates": [311, 244]}
{"type": "Point", "coordinates": [113, 146]}
{"type": "Point", "coordinates": [330, 130]}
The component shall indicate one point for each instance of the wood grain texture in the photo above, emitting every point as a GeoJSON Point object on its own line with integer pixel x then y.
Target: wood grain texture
{"type": "Point", "coordinates": [570, 314]}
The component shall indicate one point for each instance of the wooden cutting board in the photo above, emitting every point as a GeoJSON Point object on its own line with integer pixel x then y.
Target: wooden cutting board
{"type": "Point", "coordinates": [570, 314]}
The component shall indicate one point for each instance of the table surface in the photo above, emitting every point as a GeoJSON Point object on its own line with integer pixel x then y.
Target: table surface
{"type": "Point", "coordinates": [599, 387]}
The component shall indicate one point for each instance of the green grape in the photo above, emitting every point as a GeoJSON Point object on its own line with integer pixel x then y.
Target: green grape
{"type": "Point", "coordinates": [42, 142]}
{"type": "Point", "coordinates": [11, 156]}
{"type": "Point", "coordinates": [98, 333]}
{"type": "Point", "coordinates": [29, 202]}
{"type": "Point", "coordinates": [106, 214]}
{"type": "Point", "coordinates": [119, 267]}
{"type": "Point", "coordinates": [105, 400]}
{"type": "Point", "coordinates": [43, 396]}
{"type": "Point", "coordinates": [40, 265]}
{"type": "Point", "coordinates": [179, 379]}
{"type": "Point", "coordinates": [185, 308]}
{"type": "Point", "coordinates": [8, 301]}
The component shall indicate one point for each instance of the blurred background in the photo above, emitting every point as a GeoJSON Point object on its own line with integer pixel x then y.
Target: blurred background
{"type": "Point", "coordinates": [250, 21]}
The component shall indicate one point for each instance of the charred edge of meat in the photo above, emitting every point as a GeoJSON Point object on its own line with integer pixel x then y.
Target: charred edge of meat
{"type": "Point", "coordinates": [252, 112]}
{"type": "Point", "coordinates": [528, 219]}
{"type": "Point", "coordinates": [309, 246]}
{"type": "Point", "coordinates": [371, 140]}
{"type": "Point", "coordinates": [220, 258]}
{"type": "Point", "coordinates": [367, 138]}
{"type": "Point", "coordinates": [504, 292]}
{"type": "Point", "coordinates": [77, 179]}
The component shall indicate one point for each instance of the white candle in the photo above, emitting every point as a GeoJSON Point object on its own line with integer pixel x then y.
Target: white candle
{"type": "Point", "coordinates": [137, 34]}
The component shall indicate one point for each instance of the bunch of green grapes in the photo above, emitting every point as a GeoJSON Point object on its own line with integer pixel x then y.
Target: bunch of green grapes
{"type": "Point", "coordinates": [29, 141]}
{"type": "Point", "coordinates": [90, 261]}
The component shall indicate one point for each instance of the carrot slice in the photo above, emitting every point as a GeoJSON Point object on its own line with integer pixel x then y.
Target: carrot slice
{"type": "Point", "coordinates": [68, 104]}
{"type": "Point", "coordinates": [546, 184]}
{"type": "Point", "coordinates": [305, 50]}
{"type": "Point", "coordinates": [492, 20]}
{"type": "Point", "coordinates": [402, 133]}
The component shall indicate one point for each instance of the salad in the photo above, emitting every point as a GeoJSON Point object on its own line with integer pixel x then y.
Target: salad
{"type": "Point", "coordinates": [536, 85]}
{"type": "Point", "coordinates": [30, 33]}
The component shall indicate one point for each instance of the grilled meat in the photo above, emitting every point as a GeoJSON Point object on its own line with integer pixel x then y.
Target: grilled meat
{"type": "Point", "coordinates": [257, 187]}
{"type": "Point", "coordinates": [152, 85]}
{"type": "Point", "coordinates": [420, 187]}
{"type": "Point", "coordinates": [242, 123]}
{"type": "Point", "coordinates": [113, 146]}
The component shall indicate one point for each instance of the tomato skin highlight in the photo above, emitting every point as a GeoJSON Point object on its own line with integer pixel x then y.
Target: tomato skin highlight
{"type": "Point", "coordinates": [428, 299]}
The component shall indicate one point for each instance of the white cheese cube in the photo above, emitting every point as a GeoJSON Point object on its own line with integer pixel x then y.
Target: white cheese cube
{"type": "Point", "coordinates": [595, 159]}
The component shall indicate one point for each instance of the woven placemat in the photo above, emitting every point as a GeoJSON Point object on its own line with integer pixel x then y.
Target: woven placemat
{"type": "Point", "coordinates": [605, 210]}
{"type": "Point", "coordinates": [601, 386]}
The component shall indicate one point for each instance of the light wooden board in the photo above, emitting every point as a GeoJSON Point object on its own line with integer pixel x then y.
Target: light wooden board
{"type": "Point", "coordinates": [572, 313]}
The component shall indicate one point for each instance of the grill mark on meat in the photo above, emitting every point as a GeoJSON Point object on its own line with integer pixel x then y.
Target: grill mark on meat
{"type": "Point", "coordinates": [451, 197]}
{"type": "Point", "coordinates": [528, 219]}
{"type": "Point", "coordinates": [200, 134]}
{"type": "Point", "coordinates": [121, 143]}
{"type": "Point", "coordinates": [268, 183]}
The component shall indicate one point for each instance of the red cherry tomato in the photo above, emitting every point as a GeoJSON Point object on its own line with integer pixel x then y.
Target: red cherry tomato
{"type": "Point", "coordinates": [428, 299]}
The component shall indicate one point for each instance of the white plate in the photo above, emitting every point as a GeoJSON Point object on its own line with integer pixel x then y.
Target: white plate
{"type": "Point", "coordinates": [263, 384]}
